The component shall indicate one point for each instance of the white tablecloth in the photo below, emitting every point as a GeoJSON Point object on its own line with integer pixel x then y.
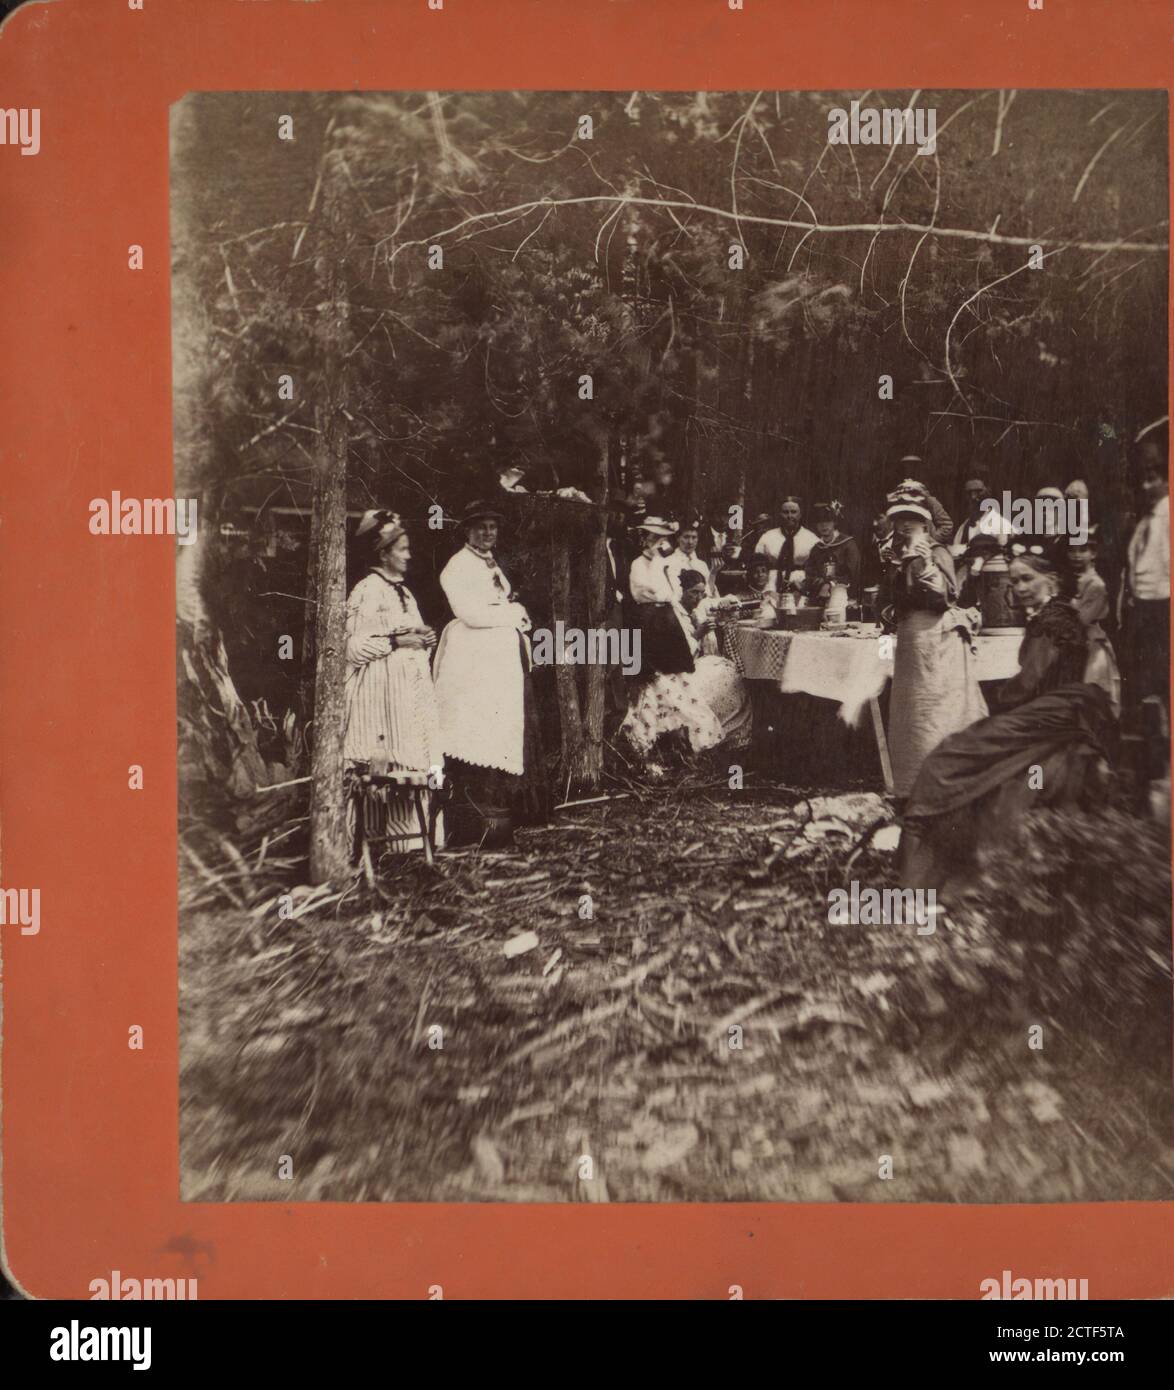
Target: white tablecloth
{"type": "Point", "coordinates": [847, 669]}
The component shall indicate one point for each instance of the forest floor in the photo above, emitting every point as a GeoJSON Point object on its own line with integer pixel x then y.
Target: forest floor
{"type": "Point", "coordinates": [471, 1033]}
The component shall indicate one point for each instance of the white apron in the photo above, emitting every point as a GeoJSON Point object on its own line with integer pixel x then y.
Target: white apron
{"type": "Point", "coordinates": [480, 668]}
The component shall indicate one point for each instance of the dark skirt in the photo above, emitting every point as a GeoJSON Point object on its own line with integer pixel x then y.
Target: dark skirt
{"type": "Point", "coordinates": [485, 803]}
{"type": "Point", "coordinates": [664, 648]}
{"type": "Point", "coordinates": [975, 788]}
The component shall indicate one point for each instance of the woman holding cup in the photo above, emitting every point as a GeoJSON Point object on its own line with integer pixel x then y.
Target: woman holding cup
{"type": "Point", "coordinates": [935, 690]}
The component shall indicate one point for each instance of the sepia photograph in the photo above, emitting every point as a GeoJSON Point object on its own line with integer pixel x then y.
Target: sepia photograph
{"type": "Point", "coordinates": [672, 645]}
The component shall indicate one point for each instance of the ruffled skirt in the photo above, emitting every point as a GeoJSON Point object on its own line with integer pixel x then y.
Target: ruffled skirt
{"type": "Point", "coordinates": [391, 714]}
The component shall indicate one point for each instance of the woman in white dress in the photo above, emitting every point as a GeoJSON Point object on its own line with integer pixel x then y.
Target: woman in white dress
{"type": "Point", "coordinates": [391, 715]}
{"type": "Point", "coordinates": [715, 677]}
{"type": "Point", "coordinates": [489, 726]}
{"type": "Point", "coordinates": [665, 628]}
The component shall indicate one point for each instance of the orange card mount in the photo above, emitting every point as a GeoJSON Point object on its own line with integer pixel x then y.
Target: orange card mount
{"type": "Point", "coordinates": [88, 600]}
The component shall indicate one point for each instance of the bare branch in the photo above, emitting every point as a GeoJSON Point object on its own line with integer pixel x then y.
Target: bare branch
{"type": "Point", "coordinates": [982, 289]}
{"type": "Point", "coordinates": [1004, 107]}
{"type": "Point", "coordinates": [892, 148]}
{"type": "Point", "coordinates": [998, 419]}
{"type": "Point", "coordinates": [276, 425]}
{"type": "Point", "coordinates": [528, 235]}
{"type": "Point", "coordinates": [734, 164]}
{"type": "Point", "coordinates": [1092, 162]}
{"type": "Point", "coordinates": [259, 231]}
{"type": "Point", "coordinates": [1112, 280]}
{"type": "Point", "coordinates": [941, 130]}
{"type": "Point", "coordinates": [828, 229]}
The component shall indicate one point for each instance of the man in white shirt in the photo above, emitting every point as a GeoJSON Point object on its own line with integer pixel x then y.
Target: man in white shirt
{"type": "Point", "coordinates": [788, 546]}
{"type": "Point", "coordinates": [980, 521]}
{"type": "Point", "coordinates": [1144, 612]}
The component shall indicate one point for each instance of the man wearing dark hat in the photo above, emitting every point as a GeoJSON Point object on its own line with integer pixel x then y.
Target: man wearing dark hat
{"type": "Point", "coordinates": [758, 528]}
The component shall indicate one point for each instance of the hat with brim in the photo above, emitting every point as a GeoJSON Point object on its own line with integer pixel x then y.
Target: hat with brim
{"type": "Point", "coordinates": [381, 527]}
{"type": "Point", "coordinates": [480, 511]}
{"type": "Point", "coordinates": [909, 509]}
{"type": "Point", "coordinates": [657, 526]}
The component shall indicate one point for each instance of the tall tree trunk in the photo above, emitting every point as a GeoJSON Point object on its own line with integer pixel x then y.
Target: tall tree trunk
{"type": "Point", "coordinates": [589, 769]}
{"type": "Point", "coordinates": [306, 683]}
{"type": "Point", "coordinates": [214, 717]}
{"type": "Point", "coordinates": [329, 857]}
{"type": "Point", "coordinates": [686, 489]}
{"type": "Point", "coordinates": [734, 486]}
{"type": "Point", "coordinates": [569, 716]}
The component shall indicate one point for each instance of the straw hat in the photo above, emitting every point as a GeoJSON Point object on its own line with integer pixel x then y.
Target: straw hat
{"type": "Point", "coordinates": [909, 508]}
{"type": "Point", "coordinates": [657, 526]}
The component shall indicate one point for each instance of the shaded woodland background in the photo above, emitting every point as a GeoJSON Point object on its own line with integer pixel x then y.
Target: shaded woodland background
{"type": "Point", "coordinates": [610, 256]}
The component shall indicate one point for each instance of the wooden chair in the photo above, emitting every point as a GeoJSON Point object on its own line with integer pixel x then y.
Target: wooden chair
{"type": "Point", "coordinates": [416, 783]}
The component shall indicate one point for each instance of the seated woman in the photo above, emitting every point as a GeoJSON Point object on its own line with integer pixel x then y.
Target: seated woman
{"type": "Point", "coordinates": [834, 559]}
{"type": "Point", "coordinates": [707, 706]}
{"type": "Point", "coordinates": [703, 611]}
{"type": "Point", "coordinates": [1046, 745]}
{"type": "Point", "coordinates": [757, 588]}
{"type": "Point", "coordinates": [488, 721]}
{"type": "Point", "coordinates": [664, 626]}
{"type": "Point", "coordinates": [1092, 604]}
{"type": "Point", "coordinates": [391, 716]}
{"type": "Point", "coordinates": [759, 579]}
{"type": "Point", "coordinates": [715, 677]}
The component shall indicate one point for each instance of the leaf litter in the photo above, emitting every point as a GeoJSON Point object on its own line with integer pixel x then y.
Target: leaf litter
{"type": "Point", "coordinates": [707, 1033]}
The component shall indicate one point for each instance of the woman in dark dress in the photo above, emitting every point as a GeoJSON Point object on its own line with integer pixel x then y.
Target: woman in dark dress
{"type": "Point", "coordinates": [1047, 745]}
{"type": "Point", "coordinates": [834, 559]}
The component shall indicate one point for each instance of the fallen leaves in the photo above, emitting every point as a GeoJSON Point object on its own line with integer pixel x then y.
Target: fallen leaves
{"type": "Point", "coordinates": [967, 1155]}
{"type": "Point", "coordinates": [520, 944]}
{"type": "Point", "coordinates": [854, 1044]}
{"type": "Point", "coordinates": [487, 1160]}
{"type": "Point", "coordinates": [670, 1146]}
{"type": "Point", "coordinates": [1042, 1101]}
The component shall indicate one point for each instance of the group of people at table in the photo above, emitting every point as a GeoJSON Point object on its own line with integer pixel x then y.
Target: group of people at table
{"type": "Point", "coordinates": [459, 705]}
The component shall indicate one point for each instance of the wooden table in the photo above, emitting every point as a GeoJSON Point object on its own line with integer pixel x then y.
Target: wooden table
{"type": "Point", "coordinates": [850, 668]}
